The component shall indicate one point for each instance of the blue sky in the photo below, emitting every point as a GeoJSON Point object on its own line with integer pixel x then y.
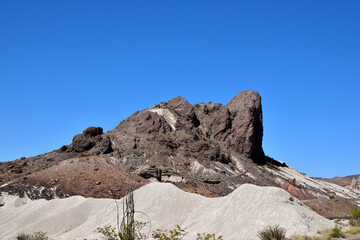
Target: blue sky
{"type": "Point", "coordinates": [67, 65]}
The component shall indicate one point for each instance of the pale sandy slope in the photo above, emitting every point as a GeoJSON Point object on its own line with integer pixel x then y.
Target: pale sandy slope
{"type": "Point", "coordinates": [237, 216]}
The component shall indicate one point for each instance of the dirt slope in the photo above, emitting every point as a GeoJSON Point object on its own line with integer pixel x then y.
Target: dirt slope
{"type": "Point", "coordinates": [237, 216]}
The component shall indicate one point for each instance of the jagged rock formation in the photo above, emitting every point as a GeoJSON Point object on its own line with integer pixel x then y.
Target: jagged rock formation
{"type": "Point", "coordinates": [207, 148]}
{"type": "Point", "coordinates": [355, 184]}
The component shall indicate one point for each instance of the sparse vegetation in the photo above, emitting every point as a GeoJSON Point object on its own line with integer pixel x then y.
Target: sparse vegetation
{"type": "Point", "coordinates": [332, 233]}
{"type": "Point", "coordinates": [353, 231]}
{"type": "Point", "coordinates": [208, 236]}
{"type": "Point", "coordinates": [129, 233]}
{"type": "Point", "coordinates": [268, 233]}
{"type": "Point", "coordinates": [272, 233]}
{"type": "Point", "coordinates": [35, 236]}
{"type": "Point", "coordinates": [336, 232]}
{"type": "Point", "coordinates": [128, 228]}
{"type": "Point", "coordinates": [355, 218]}
{"type": "Point", "coordinates": [299, 237]}
{"type": "Point", "coordinates": [111, 233]}
{"type": "Point", "coordinates": [176, 234]}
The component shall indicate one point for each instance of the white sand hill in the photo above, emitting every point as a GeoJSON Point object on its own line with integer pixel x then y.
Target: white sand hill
{"type": "Point", "coordinates": [240, 215]}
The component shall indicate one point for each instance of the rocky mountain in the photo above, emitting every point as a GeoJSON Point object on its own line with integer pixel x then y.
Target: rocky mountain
{"type": "Point", "coordinates": [206, 148]}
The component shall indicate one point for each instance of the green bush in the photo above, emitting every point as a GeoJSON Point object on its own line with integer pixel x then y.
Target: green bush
{"type": "Point", "coordinates": [36, 236]}
{"type": "Point", "coordinates": [111, 233]}
{"type": "Point", "coordinates": [336, 232]}
{"type": "Point", "coordinates": [355, 219]}
{"type": "Point", "coordinates": [272, 233]}
{"type": "Point", "coordinates": [208, 236]}
{"type": "Point", "coordinates": [176, 234]}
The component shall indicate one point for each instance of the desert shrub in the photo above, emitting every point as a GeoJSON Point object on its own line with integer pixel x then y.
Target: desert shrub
{"type": "Point", "coordinates": [129, 233]}
{"type": "Point", "coordinates": [23, 236]}
{"type": "Point", "coordinates": [208, 236]}
{"type": "Point", "coordinates": [35, 236]}
{"type": "Point", "coordinates": [337, 232]}
{"type": "Point", "coordinates": [272, 233]}
{"type": "Point", "coordinates": [355, 218]}
{"type": "Point", "coordinates": [176, 234]}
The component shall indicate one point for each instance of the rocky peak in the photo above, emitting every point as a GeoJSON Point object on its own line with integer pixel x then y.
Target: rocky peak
{"type": "Point", "coordinates": [193, 130]}
{"type": "Point", "coordinates": [245, 100]}
{"type": "Point", "coordinates": [245, 112]}
{"type": "Point", "coordinates": [238, 125]}
{"type": "Point", "coordinates": [184, 111]}
{"type": "Point", "coordinates": [179, 103]}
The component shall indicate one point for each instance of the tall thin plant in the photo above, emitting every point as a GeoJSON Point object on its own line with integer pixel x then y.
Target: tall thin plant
{"type": "Point", "coordinates": [127, 227]}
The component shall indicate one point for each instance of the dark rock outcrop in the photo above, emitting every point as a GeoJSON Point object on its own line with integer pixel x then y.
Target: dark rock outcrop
{"type": "Point", "coordinates": [93, 131]}
{"type": "Point", "coordinates": [82, 143]}
{"type": "Point", "coordinates": [91, 139]}
{"type": "Point", "coordinates": [241, 125]}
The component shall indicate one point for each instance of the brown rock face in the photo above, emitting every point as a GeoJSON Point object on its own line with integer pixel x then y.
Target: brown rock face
{"type": "Point", "coordinates": [93, 131]}
{"type": "Point", "coordinates": [243, 124]}
{"type": "Point", "coordinates": [176, 141]}
{"type": "Point", "coordinates": [238, 124]}
{"type": "Point", "coordinates": [90, 140]}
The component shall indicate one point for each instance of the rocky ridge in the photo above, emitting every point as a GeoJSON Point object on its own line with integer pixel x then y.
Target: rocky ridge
{"type": "Point", "coordinates": [206, 148]}
{"type": "Point", "coordinates": [351, 182]}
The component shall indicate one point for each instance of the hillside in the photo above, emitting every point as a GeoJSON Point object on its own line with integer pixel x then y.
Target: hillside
{"type": "Point", "coordinates": [205, 148]}
{"type": "Point", "coordinates": [351, 182]}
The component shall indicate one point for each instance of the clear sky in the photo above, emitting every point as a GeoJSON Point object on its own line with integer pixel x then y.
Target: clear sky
{"type": "Point", "coordinates": [68, 65]}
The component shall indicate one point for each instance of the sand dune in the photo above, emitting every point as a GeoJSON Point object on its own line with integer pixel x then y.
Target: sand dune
{"type": "Point", "coordinates": [237, 216]}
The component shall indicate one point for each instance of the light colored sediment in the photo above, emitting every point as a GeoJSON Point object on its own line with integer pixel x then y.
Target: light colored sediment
{"type": "Point", "coordinates": [169, 116]}
{"type": "Point", "coordinates": [290, 174]}
{"type": "Point", "coordinates": [237, 216]}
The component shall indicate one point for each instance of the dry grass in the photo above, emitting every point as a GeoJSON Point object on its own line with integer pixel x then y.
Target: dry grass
{"type": "Point", "coordinates": [331, 233]}
{"type": "Point", "coordinates": [353, 231]}
{"type": "Point", "coordinates": [272, 233]}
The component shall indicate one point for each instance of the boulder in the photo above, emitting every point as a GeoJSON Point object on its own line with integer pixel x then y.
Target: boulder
{"type": "Point", "coordinates": [105, 145]}
{"type": "Point", "coordinates": [81, 143]}
{"type": "Point", "coordinates": [93, 131]}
